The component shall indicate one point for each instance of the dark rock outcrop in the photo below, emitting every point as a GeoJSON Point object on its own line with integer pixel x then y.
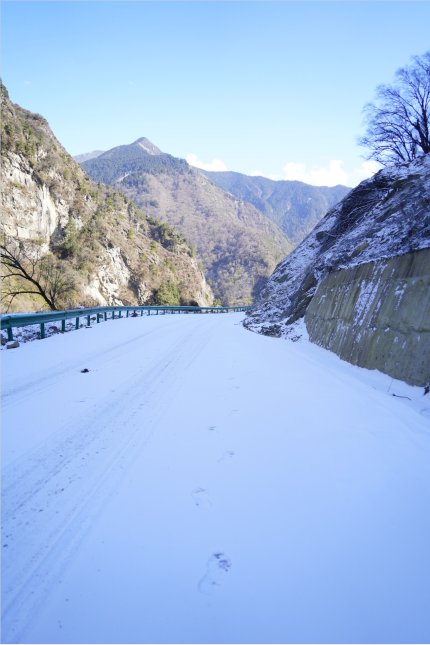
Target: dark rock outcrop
{"type": "Point", "coordinates": [361, 278]}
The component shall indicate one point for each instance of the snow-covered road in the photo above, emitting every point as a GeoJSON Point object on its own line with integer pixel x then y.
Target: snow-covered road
{"type": "Point", "coordinates": [203, 484]}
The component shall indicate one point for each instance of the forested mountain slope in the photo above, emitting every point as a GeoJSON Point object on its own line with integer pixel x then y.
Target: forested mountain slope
{"type": "Point", "coordinates": [294, 206]}
{"type": "Point", "coordinates": [238, 245]}
{"type": "Point", "coordinates": [84, 242]}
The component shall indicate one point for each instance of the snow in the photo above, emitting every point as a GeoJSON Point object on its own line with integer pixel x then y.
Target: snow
{"type": "Point", "coordinates": [32, 332]}
{"type": "Point", "coordinates": [365, 300]}
{"type": "Point", "coordinates": [205, 484]}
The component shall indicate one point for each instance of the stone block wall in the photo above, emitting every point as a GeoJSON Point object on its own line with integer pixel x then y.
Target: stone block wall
{"type": "Point", "coordinates": [377, 315]}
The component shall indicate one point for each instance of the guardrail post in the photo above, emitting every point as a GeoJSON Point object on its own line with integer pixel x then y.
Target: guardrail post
{"type": "Point", "coordinates": [9, 322]}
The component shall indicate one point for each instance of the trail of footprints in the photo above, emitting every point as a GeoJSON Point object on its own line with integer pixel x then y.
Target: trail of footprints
{"type": "Point", "coordinates": [218, 564]}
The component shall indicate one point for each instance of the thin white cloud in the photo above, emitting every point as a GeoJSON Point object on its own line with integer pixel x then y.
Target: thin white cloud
{"type": "Point", "coordinates": [332, 174]}
{"type": "Point", "coordinates": [215, 165]}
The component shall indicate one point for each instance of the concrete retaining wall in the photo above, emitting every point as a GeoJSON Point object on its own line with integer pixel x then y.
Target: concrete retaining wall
{"type": "Point", "coordinates": [377, 315]}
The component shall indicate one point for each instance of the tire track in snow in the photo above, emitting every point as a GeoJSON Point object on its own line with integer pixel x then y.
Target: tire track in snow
{"type": "Point", "coordinates": [52, 495]}
{"type": "Point", "coordinates": [16, 394]}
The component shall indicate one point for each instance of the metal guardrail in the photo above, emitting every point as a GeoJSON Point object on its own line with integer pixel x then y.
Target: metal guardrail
{"type": "Point", "coordinates": [10, 321]}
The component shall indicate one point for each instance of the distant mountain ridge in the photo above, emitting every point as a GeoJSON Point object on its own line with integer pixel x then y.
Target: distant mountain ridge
{"type": "Point", "coordinates": [238, 245]}
{"type": "Point", "coordinates": [140, 156]}
{"type": "Point", "coordinates": [294, 206]}
{"type": "Point", "coordinates": [87, 156]}
{"type": "Point", "coordinates": [147, 146]}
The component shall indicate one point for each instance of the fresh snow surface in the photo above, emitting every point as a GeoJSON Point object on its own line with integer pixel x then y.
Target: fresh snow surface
{"type": "Point", "coordinates": [205, 484]}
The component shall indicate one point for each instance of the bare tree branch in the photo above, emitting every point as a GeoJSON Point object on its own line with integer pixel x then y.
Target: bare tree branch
{"type": "Point", "coordinates": [398, 123]}
{"type": "Point", "coordinates": [24, 262]}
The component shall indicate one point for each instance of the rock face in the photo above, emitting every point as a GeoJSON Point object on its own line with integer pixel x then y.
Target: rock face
{"type": "Point", "coordinates": [237, 244]}
{"type": "Point", "coordinates": [377, 315]}
{"type": "Point", "coordinates": [361, 279]}
{"type": "Point", "coordinates": [113, 253]}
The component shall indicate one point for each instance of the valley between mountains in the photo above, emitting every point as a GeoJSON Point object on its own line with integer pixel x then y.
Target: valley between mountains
{"type": "Point", "coordinates": [240, 226]}
{"type": "Point", "coordinates": [135, 225]}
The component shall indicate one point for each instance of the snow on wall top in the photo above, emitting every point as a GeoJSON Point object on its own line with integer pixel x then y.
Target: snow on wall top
{"type": "Point", "coordinates": [385, 216]}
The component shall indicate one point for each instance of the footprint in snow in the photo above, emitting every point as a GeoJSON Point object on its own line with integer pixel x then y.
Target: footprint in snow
{"type": "Point", "coordinates": [201, 498]}
{"type": "Point", "coordinates": [216, 569]}
{"type": "Point", "coordinates": [227, 455]}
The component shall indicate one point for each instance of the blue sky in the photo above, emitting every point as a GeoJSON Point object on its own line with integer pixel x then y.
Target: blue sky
{"type": "Point", "coordinates": [274, 88]}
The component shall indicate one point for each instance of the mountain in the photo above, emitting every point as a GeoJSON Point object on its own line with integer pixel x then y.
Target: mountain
{"type": "Point", "coordinates": [238, 245]}
{"type": "Point", "coordinates": [88, 155]}
{"type": "Point", "coordinates": [87, 242]}
{"type": "Point", "coordinates": [361, 279]}
{"type": "Point", "coordinates": [294, 206]}
{"type": "Point", "coordinates": [113, 166]}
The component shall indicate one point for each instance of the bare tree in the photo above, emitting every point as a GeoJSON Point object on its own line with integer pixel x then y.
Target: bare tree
{"type": "Point", "coordinates": [26, 271]}
{"type": "Point", "coordinates": [398, 123]}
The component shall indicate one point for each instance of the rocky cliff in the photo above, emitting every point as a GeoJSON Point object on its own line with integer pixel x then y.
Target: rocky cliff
{"type": "Point", "coordinates": [361, 279]}
{"type": "Point", "coordinates": [238, 245]}
{"type": "Point", "coordinates": [111, 252]}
